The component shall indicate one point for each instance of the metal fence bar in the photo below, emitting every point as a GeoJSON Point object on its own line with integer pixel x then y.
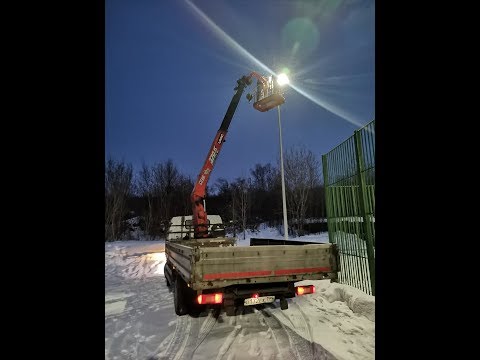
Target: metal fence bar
{"type": "Point", "coordinates": [342, 214]}
{"type": "Point", "coordinates": [355, 245]}
{"type": "Point", "coordinates": [346, 234]}
{"type": "Point", "coordinates": [358, 245]}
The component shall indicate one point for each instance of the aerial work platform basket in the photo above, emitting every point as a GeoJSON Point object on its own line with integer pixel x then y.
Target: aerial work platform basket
{"type": "Point", "coordinates": [267, 95]}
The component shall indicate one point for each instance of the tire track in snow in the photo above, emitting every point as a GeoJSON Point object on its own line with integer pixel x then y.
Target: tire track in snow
{"type": "Point", "coordinates": [207, 326]}
{"type": "Point", "coordinates": [287, 344]}
{"type": "Point", "coordinates": [156, 354]}
{"type": "Point", "coordinates": [306, 327]}
{"type": "Point", "coordinates": [184, 343]}
{"type": "Point", "coordinates": [304, 337]}
{"type": "Point", "coordinates": [300, 332]}
{"type": "Point", "coordinates": [300, 348]}
{"type": "Point", "coordinates": [199, 330]}
{"type": "Point", "coordinates": [291, 352]}
{"type": "Point", "coordinates": [310, 332]}
{"type": "Point", "coordinates": [228, 342]}
{"type": "Point", "coordinates": [177, 343]}
{"type": "Point", "coordinates": [188, 335]}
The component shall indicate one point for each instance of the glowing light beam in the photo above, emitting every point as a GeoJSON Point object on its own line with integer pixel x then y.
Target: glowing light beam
{"type": "Point", "coordinates": [330, 107]}
{"type": "Point", "coordinates": [242, 51]}
{"type": "Point", "coordinates": [229, 40]}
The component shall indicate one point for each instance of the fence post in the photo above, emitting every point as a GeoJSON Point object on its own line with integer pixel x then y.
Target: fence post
{"type": "Point", "coordinates": [363, 208]}
{"type": "Point", "coordinates": [327, 198]}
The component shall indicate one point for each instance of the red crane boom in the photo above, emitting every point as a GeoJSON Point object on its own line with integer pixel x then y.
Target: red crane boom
{"type": "Point", "coordinates": [200, 222]}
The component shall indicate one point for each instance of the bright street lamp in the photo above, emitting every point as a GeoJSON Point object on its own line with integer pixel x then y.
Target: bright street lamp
{"type": "Point", "coordinates": [282, 79]}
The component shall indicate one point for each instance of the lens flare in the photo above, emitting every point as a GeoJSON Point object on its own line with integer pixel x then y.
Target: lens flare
{"type": "Point", "coordinates": [242, 51]}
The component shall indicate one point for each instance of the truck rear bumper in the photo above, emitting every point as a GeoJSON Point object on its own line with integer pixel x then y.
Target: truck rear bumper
{"type": "Point", "coordinates": [235, 295]}
{"type": "Point", "coordinates": [279, 290]}
{"type": "Point", "coordinates": [215, 284]}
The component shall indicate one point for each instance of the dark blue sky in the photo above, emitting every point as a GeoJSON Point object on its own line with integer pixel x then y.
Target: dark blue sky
{"type": "Point", "coordinates": [170, 76]}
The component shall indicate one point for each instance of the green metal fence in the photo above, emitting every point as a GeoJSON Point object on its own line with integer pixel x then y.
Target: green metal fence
{"type": "Point", "coordinates": [349, 177]}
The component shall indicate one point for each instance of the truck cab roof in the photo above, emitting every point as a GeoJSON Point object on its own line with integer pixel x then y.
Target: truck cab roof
{"type": "Point", "coordinates": [181, 227]}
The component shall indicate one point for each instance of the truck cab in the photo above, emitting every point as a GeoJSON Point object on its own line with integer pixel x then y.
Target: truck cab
{"type": "Point", "coordinates": [181, 227]}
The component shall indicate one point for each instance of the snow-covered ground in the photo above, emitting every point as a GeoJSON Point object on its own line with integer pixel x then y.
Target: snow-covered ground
{"type": "Point", "coordinates": [337, 322]}
{"type": "Point", "coordinates": [134, 259]}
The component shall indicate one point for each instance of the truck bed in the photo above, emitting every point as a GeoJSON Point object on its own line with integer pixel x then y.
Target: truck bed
{"type": "Point", "coordinates": [207, 266]}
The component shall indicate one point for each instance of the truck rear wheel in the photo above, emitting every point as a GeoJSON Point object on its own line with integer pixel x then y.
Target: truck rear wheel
{"type": "Point", "coordinates": [179, 299]}
{"type": "Point", "coordinates": [229, 305]}
{"type": "Point", "coordinates": [165, 274]}
{"type": "Point", "coordinates": [230, 310]}
{"type": "Point", "coordinates": [283, 304]}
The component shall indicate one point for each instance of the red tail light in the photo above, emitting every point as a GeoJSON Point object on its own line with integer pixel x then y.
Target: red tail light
{"type": "Point", "coordinates": [255, 296]}
{"type": "Point", "coordinates": [216, 298]}
{"type": "Point", "coordinates": [302, 290]}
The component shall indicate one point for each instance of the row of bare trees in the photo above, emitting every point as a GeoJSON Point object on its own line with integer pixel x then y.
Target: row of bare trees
{"type": "Point", "coordinates": [258, 198]}
{"type": "Point", "coordinates": [163, 191]}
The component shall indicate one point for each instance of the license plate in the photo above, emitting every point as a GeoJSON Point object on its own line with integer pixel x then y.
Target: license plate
{"type": "Point", "coordinates": [259, 300]}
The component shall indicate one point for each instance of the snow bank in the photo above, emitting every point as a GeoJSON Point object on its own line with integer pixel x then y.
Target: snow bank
{"type": "Point", "coordinates": [135, 247]}
{"type": "Point", "coordinates": [342, 319]}
{"type": "Point", "coordinates": [359, 302]}
{"type": "Point", "coordinates": [135, 259]}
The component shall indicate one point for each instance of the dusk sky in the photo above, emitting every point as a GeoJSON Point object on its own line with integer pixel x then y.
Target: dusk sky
{"type": "Point", "coordinates": [171, 67]}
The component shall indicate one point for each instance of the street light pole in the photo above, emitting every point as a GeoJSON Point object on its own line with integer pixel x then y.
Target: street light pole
{"type": "Point", "coordinates": [285, 222]}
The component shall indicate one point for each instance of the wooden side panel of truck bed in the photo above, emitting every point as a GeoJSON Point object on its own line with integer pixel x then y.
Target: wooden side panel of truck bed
{"type": "Point", "coordinates": [217, 267]}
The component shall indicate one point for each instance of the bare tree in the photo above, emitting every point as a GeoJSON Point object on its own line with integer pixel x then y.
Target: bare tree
{"type": "Point", "coordinates": [165, 177]}
{"type": "Point", "coordinates": [222, 187]}
{"type": "Point", "coordinates": [264, 199]}
{"type": "Point", "coordinates": [146, 190]}
{"type": "Point", "coordinates": [302, 174]}
{"type": "Point", "coordinates": [184, 189]}
{"type": "Point", "coordinates": [118, 186]}
{"type": "Point", "coordinates": [224, 193]}
{"type": "Point", "coordinates": [166, 193]}
{"type": "Point", "coordinates": [263, 177]}
{"type": "Point", "coordinates": [241, 198]}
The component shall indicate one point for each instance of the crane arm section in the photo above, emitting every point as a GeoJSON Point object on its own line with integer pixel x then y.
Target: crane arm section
{"type": "Point", "coordinates": [200, 222]}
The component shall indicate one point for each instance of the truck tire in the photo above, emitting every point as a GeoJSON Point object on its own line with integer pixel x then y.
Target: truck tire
{"type": "Point", "coordinates": [165, 274]}
{"type": "Point", "coordinates": [283, 304]}
{"type": "Point", "coordinates": [179, 300]}
{"type": "Point", "coordinates": [230, 310]}
{"type": "Point", "coordinates": [229, 305]}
